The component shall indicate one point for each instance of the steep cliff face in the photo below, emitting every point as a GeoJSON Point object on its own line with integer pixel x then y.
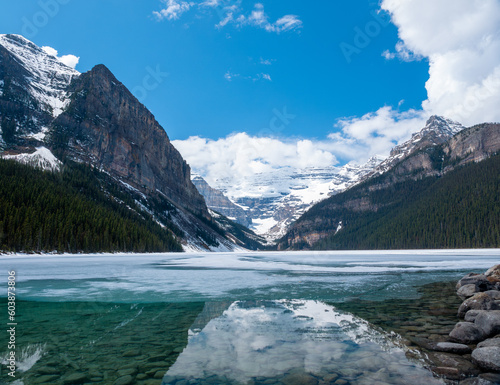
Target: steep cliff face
{"type": "Point", "coordinates": [405, 172]}
{"type": "Point", "coordinates": [47, 109]}
{"type": "Point", "coordinates": [218, 202]}
{"type": "Point", "coordinates": [106, 126]}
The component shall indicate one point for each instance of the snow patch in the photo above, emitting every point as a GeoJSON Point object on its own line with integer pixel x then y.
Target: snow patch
{"type": "Point", "coordinates": [42, 158]}
{"type": "Point", "coordinates": [50, 77]}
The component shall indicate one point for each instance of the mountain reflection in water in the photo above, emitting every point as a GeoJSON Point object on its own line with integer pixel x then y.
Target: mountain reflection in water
{"type": "Point", "coordinates": [291, 340]}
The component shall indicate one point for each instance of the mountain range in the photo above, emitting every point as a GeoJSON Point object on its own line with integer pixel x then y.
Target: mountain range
{"type": "Point", "coordinates": [86, 167]}
{"type": "Point", "coordinates": [51, 115]}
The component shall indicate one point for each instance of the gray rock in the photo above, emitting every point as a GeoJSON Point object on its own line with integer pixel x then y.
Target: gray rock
{"type": "Point", "coordinates": [449, 347]}
{"type": "Point", "coordinates": [488, 322]}
{"type": "Point", "coordinates": [75, 378]}
{"type": "Point", "coordinates": [479, 280]}
{"type": "Point", "coordinates": [46, 379]}
{"type": "Point", "coordinates": [489, 342]}
{"type": "Point", "coordinates": [467, 290]}
{"type": "Point", "coordinates": [127, 372]}
{"type": "Point", "coordinates": [478, 381]}
{"type": "Point", "coordinates": [487, 358]}
{"type": "Point", "coordinates": [449, 373]}
{"type": "Point", "coordinates": [493, 272]}
{"type": "Point", "coordinates": [493, 378]}
{"type": "Point", "coordinates": [124, 380]}
{"type": "Point", "coordinates": [299, 379]}
{"type": "Point", "coordinates": [466, 333]}
{"type": "Point", "coordinates": [480, 301]}
{"type": "Point", "coordinates": [495, 294]}
{"type": "Point", "coordinates": [471, 315]}
{"type": "Point", "coordinates": [448, 360]}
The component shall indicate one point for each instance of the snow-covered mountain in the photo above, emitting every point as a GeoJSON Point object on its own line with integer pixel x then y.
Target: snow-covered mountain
{"type": "Point", "coordinates": [437, 131]}
{"type": "Point", "coordinates": [49, 78]}
{"type": "Point", "coordinates": [50, 113]}
{"type": "Point", "coordinates": [273, 200]}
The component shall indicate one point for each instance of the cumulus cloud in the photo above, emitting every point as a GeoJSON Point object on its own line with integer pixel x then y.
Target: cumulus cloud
{"type": "Point", "coordinates": [174, 9]}
{"type": "Point", "coordinates": [69, 60]}
{"type": "Point", "coordinates": [241, 155]}
{"type": "Point", "coordinates": [461, 41]}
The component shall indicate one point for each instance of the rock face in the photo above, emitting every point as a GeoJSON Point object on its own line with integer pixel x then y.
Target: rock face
{"type": "Point", "coordinates": [440, 147]}
{"type": "Point", "coordinates": [218, 202]}
{"type": "Point", "coordinates": [48, 108]}
{"type": "Point", "coordinates": [32, 89]}
{"type": "Point", "coordinates": [105, 125]}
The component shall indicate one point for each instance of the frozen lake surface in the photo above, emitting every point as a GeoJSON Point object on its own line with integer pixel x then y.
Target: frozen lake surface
{"type": "Point", "coordinates": [231, 318]}
{"type": "Point", "coordinates": [238, 276]}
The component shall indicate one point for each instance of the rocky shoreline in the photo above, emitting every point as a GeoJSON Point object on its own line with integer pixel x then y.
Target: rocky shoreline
{"type": "Point", "coordinates": [470, 355]}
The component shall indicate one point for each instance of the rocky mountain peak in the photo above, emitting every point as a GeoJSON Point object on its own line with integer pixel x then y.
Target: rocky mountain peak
{"type": "Point", "coordinates": [437, 131]}
{"type": "Point", "coordinates": [105, 125]}
{"type": "Point", "coordinates": [48, 77]}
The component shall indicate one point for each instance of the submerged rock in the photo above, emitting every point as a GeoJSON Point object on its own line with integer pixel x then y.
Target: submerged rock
{"type": "Point", "coordinates": [449, 347]}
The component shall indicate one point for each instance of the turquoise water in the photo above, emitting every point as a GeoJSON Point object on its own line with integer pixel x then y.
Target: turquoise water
{"type": "Point", "coordinates": [242, 318]}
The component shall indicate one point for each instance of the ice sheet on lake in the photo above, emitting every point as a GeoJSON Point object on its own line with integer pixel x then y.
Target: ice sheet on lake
{"type": "Point", "coordinates": [238, 276]}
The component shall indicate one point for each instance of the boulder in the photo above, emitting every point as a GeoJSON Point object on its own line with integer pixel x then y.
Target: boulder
{"type": "Point", "coordinates": [488, 322]}
{"type": "Point", "coordinates": [466, 333]}
{"type": "Point", "coordinates": [449, 347]}
{"type": "Point", "coordinates": [479, 280]}
{"type": "Point", "coordinates": [495, 294]}
{"type": "Point", "coordinates": [487, 358]}
{"type": "Point", "coordinates": [489, 342]}
{"type": "Point", "coordinates": [471, 315]}
{"type": "Point", "coordinates": [493, 272]}
{"type": "Point", "coordinates": [480, 301]}
{"type": "Point", "coordinates": [446, 360]}
{"type": "Point", "coordinates": [467, 291]}
{"type": "Point", "coordinates": [483, 379]}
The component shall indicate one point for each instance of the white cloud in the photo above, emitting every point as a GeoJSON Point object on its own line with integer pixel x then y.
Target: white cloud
{"type": "Point", "coordinates": [231, 12]}
{"type": "Point", "coordinates": [267, 62]}
{"type": "Point", "coordinates": [241, 155]}
{"type": "Point", "coordinates": [267, 77]}
{"type": "Point", "coordinates": [258, 18]}
{"type": "Point", "coordinates": [69, 60]}
{"type": "Point", "coordinates": [461, 40]}
{"type": "Point", "coordinates": [173, 10]}
{"type": "Point", "coordinates": [375, 133]}
{"type": "Point", "coordinates": [229, 76]}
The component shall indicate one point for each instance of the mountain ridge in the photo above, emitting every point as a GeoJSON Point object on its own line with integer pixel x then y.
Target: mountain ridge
{"type": "Point", "coordinates": [48, 109]}
{"type": "Point", "coordinates": [374, 197]}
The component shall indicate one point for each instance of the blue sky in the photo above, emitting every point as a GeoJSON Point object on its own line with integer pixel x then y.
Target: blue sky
{"type": "Point", "coordinates": [249, 86]}
{"type": "Point", "coordinates": [309, 74]}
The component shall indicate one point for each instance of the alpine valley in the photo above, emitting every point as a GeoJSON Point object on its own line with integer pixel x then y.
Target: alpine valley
{"type": "Point", "coordinates": [87, 168]}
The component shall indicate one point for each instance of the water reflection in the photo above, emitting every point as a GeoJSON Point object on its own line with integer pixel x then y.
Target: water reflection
{"type": "Point", "coordinates": [290, 341]}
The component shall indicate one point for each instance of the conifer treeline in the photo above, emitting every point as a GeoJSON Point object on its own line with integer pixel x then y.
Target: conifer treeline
{"type": "Point", "coordinates": [71, 211]}
{"type": "Point", "coordinates": [458, 210]}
